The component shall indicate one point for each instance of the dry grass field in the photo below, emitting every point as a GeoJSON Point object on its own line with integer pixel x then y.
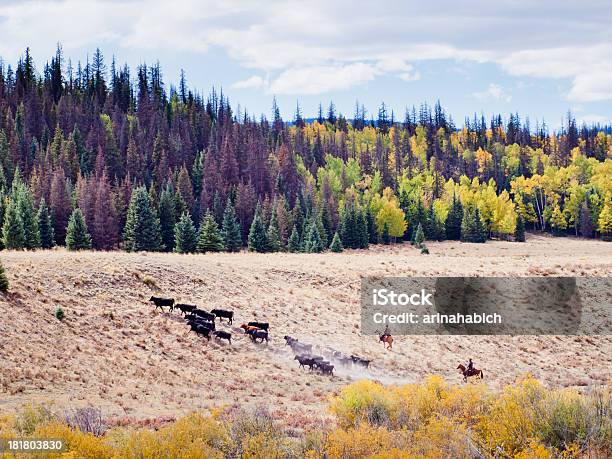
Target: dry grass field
{"type": "Point", "coordinates": [114, 351]}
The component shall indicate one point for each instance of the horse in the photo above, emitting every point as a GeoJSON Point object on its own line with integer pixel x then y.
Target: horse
{"type": "Point", "coordinates": [387, 341]}
{"type": "Point", "coordinates": [472, 372]}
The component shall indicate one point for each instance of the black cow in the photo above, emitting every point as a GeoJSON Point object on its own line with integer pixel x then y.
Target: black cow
{"type": "Point", "coordinates": [258, 334]}
{"type": "Point", "coordinates": [223, 314]}
{"type": "Point", "coordinates": [360, 361]}
{"type": "Point", "coordinates": [305, 361]}
{"type": "Point", "coordinates": [201, 330]}
{"type": "Point", "coordinates": [161, 302]}
{"type": "Point", "coordinates": [220, 334]}
{"type": "Point", "coordinates": [263, 325]}
{"type": "Point", "coordinates": [185, 308]}
{"type": "Point", "coordinates": [198, 320]}
{"type": "Point", "coordinates": [203, 314]}
{"type": "Point", "coordinates": [326, 368]}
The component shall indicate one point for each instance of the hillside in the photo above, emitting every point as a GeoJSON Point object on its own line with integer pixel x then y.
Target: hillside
{"type": "Point", "coordinates": [113, 350]}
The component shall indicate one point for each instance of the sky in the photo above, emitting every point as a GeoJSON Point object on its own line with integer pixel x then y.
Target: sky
{"type": "Point", "coordinates": [539, 59]}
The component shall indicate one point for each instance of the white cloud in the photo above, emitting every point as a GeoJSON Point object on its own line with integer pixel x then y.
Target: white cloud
{"type": "Point", "coordinates": [493, 92]}
{"type": "Point", "coordinates": [285, 38]}
{"type": "Point", "coordinates": [253, 82]}
{"type": "Point", "coordinates": [321, 79]}
{"type": "Point", "coordinates": [593, 118]}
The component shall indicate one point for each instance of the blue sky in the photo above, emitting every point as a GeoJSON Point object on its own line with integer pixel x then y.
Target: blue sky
{"type": "Point", "coordinates": [540, 60]}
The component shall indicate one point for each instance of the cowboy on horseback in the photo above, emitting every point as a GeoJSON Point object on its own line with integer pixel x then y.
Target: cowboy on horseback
{"type": "Point", "coordinates": [470, 366]}
{"type": "Point", "coordinates": [386, 338]}
{"type": "Point", "coordinates": [387, 332]}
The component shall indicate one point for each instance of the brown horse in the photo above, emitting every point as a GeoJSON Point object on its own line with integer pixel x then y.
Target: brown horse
{"type": "Point", "coordinates": [387, 341]}
{"type": "Point", "coordinates": [472, 372]}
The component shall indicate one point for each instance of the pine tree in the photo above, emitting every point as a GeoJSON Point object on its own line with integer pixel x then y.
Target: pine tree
{"type": "Point", "coordinates": [230, 231]}
{"type": "Point", "coordinates": [472, 227]}
{"type": "Point", "coordinates": [167, 217]}
{"type": "Point", "coordinates": [372, 233]}
{"type": "Point", "coordinates": [274, 240]}
{"type": "Point", "coordinates": [418, 236]}
{"type": "Point", "coordinates": [294, 241]}
{"type": "Point", "coordinates": [336, 244]}
{"type": "Point", "coordinates": [258, 238]}
{"type": "Point", "coordinates": [185, 235]}
{"type": "Point", "coordinates": [586, 220]}
{"type": "Point", "coordinates": [314, 242]}
{"type": "Point", "coordinates": [77, 236]}
{"type": "Point", "coordinates": [209, 238]}
{"type": "Point", "coordinates": [25, 207]}
{"type": "Point", "coordinates": [13, 235]}
{"type": "Point", "coordinates": [519, 233]}
{"type": "Point", "coordinates": [453, 220]}
{"type": "Point", "coordinates": [45, 226]}
{"type": "Point", "coordinates": [4, 283]}
{"type": "Point", "coordinates": [363, 235]}
{"type": "Point", "coordinates": [142, 228]}
{"type": "Point", "coordinates": [386, 238]}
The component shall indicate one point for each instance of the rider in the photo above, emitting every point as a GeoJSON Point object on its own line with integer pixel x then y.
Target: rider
{"type": "Point", "coordinates": [470, 366]}
{"type": "Point", "coordinates": [387, 332]}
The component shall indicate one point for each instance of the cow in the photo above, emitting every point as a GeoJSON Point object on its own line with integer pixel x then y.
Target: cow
{"type": "Point", "coordinates": [288, 340]}
{"type": "Point", "coordinates": [298, 347]}
{"type": "Point", "coordinates": [198, 320]}
{"type": "Point", "coordinates": [185, 308]}
{"type": "Point", "coordinates": [249, 328]}
{"type": "Point", "coordinates": [201, 330]}
{"type": "Point", "coordinates": [161, 302]}
{"type": "Point", "coordinates": [360, 361]}
{"type": "Point", "coordinates": [223, 314]}
{"type": "Point", "coordinates": [203, 314]}
{"type": "Point", "coordinates": [305, 361]}
{"type": "Point", "coordinates": [326, 368]}
{"type": "Point", "coordinates": [263, 325]}
{"type": "Point", "coordinates": [258, 334]}
{"type": "Point", "coordinates": [220, 334]}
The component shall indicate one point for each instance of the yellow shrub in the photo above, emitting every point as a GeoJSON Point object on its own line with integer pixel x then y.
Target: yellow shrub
{"type": "Point", "coordinates": [440, 437]}
{"type": "Point", "coordinates": [77, 443]}
{"type": "Point", "coordinates": [363, 401]}
{"type": "Point", "coordinates": [363, 441]}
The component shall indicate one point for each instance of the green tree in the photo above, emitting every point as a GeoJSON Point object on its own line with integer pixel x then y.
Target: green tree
{"type": "Point", "coordinates": [336, 244]}
{"type": "Point", "coordinates": [4, 283]}
{"type": "Point", "coordinates": [294, 241]}
{"type": "Point", "coordinates": [386, 237]}
{"type": "Point", "coordinates": [230, 229]}
{"type": "Point", "coordinates": [314, 242]}
{"type": "Point", "coordinates": [258, 238]}
{"type": "Point", "coordinates": [142, 227]}
{"type": "Point", "coordinates": [453, 220]}
{"type": "Point", "coordinates": [472, 227]}
{"type": "Point", "coordinates": [45, 226]}
{"type": "Point", "coordinates": [274, 240]}
{"type": "Point", "coordinates": [185, 235]}
{"type": "Point", "coordinates": [25, 208]}
{"type": "Point", "coordinates": [13, 235]}
{"type": "Point", "coordinates": [418, 236]}
{"type": "Point", "coordinates": [77, 236]}
{"type": "Point", "coordinates": [209, 239]}
{"type": "Point", "coordinates": [520, 229]}
{"type": "Point", "coordinates": [167, 217]}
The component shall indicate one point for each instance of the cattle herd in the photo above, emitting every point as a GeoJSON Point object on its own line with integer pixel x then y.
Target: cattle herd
{"type": "Point", "coordinates": [203, 323]}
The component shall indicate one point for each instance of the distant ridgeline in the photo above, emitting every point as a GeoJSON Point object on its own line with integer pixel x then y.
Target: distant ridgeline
{"type": "Point", "coordinates": [102, 158]}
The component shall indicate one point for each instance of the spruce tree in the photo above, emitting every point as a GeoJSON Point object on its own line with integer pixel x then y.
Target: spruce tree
{"type": "Point", "coordinates": [25, 207]}
{"type": "Point", "coordinates": [453, 220]}
{"type": "Point", "coordinates": [472, 227]}
{"type": "Point", "coordinates": [185, 235]}
{"type": "Point", "coordinates": [45, 227]}
{"type": "Point", "coordinates": [209, 238]}
{"type": "Point", "coordinates": [167, 217]}
{"type": "Point", "coordinates": [13, 235]}
{"type": "Point", "coordinates": [363, 235]}
{"type": "Point", "coordinates": [274, 240]}
{"type": "Point", "coordinates": [294, 241]}
{"type": "Point", "coordinates": [258, 238]}
{"type": "Point", "coordinates": [230, 231]}
{"type": "Point", "coordinates": [586, 220]}
{"type": "Point", "coordinates": [142, 228]}
{"type": "Point", "coordinates": [520, 229]}
{"type": "Point", "coordinates": [313, 243]}
{"type": "Point", "coordinates": [336, 244]}
{"type": "Point", "coordinates": [418, 236]}
{"type": "Point", "coordinates": [372, 233]}
{"type": "Point", "coordinates": [77, 235]}
{"type": "Point", "coordinates": [4, 283]}
{"type": "Point", "coordinates": [386, 238]}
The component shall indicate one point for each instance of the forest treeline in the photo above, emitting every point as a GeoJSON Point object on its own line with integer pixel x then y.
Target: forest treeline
{"type": "Point", "coordinates": [99, 157]}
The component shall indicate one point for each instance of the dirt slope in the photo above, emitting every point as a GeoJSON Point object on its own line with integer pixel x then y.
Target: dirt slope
{"type": "Point", "coordinates": [114, 351]}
